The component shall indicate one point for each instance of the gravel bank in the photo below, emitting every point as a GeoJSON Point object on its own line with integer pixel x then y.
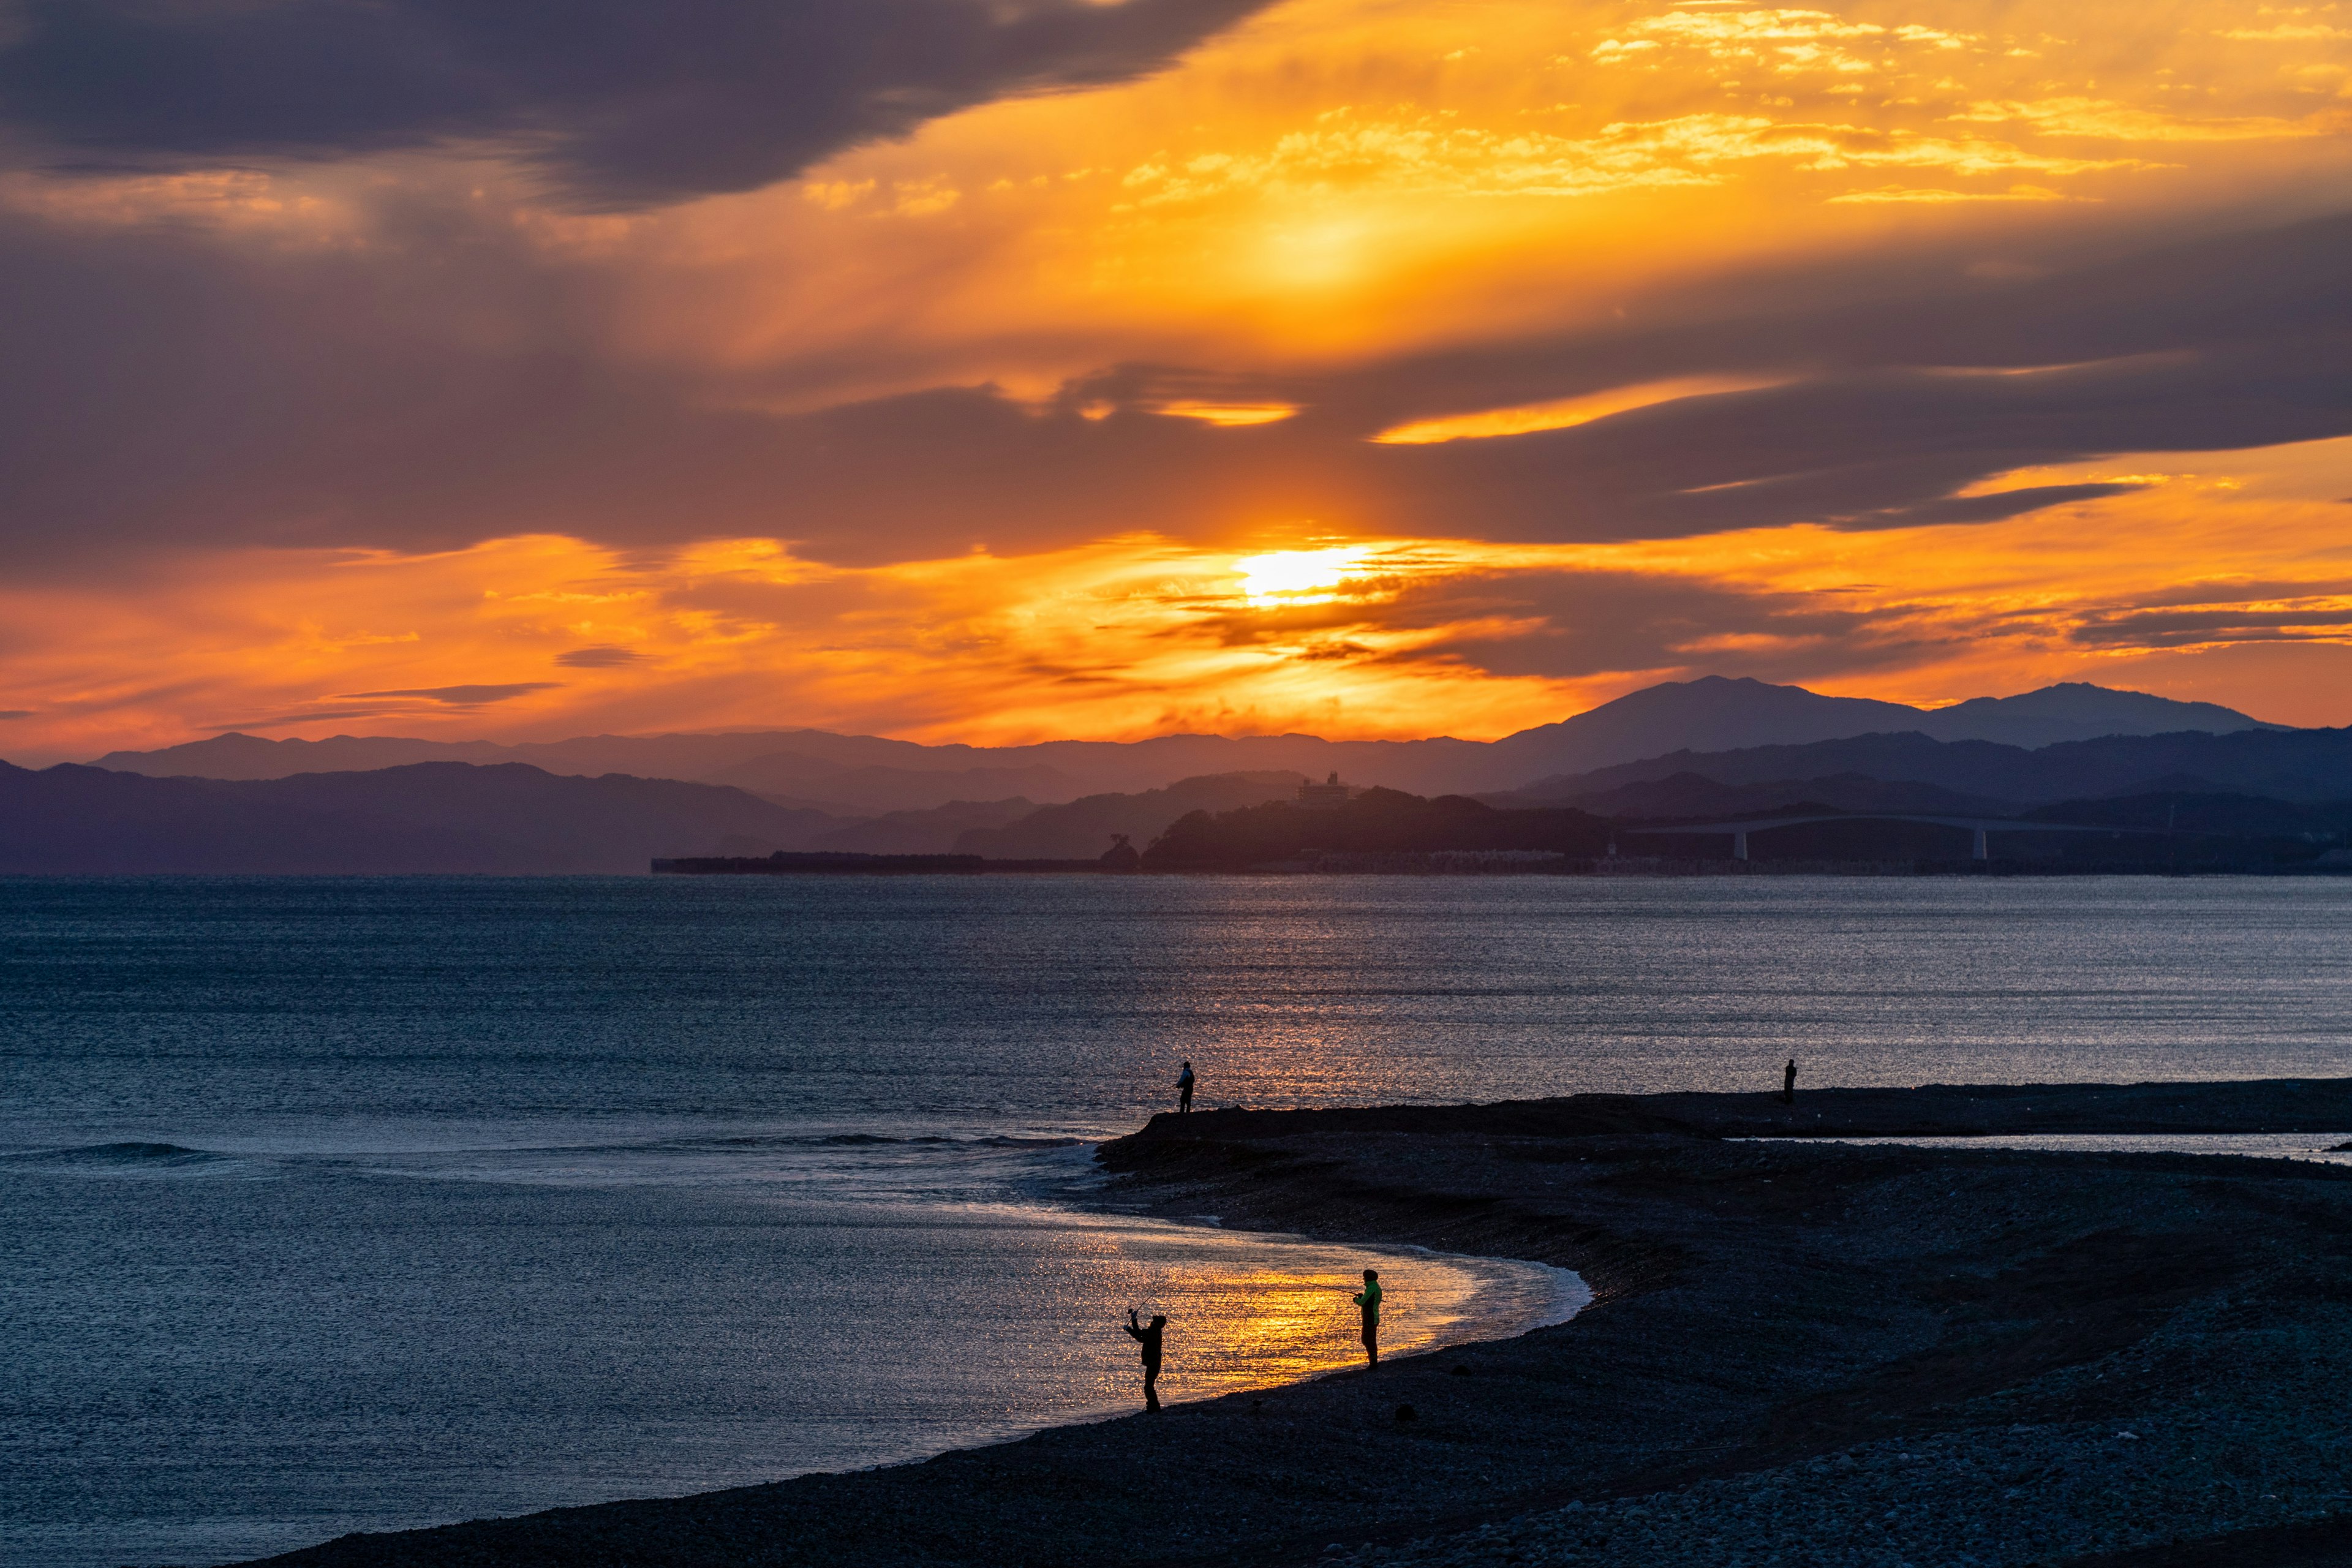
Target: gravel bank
{"type": "Point", "coordinates": [1797, 1353]}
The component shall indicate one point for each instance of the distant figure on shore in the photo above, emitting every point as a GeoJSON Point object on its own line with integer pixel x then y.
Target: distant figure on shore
{"type": "Point", "coordinates": [1368, 1300]}
{"type": "Point", "coordinates": [1184, 1088]}
{"type": "Point", "coordinates": [1149, 1338]}
{"type": "Point", "coordinates": [1789, 1083]}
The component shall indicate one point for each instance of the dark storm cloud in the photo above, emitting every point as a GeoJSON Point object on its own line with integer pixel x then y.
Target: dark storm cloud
{"type": "Point", "coordinates": [160, 390]}
{"type": "Point", "coordinates": [622, 101]}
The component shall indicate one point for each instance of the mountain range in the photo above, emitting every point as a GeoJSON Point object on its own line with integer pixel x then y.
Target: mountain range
{"type": "Point", "coordinates": [863, 777]}
{"type": "Point", "coordinates": [1084, 827]}
{"type": "Point", "coordinates": [2279, 764]}
{"type": "Point", "coordinates": [1683, 752]}
{"type": "Point", "coordinates": [503, 818]}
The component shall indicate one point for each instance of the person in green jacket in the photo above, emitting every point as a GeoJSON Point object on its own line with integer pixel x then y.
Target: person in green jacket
{"type": "Point", "coordinates": [1369, 1300]}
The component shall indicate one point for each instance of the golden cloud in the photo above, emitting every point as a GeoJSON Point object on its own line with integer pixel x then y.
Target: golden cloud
{"type": "Point", "coordinates": [1128, 636]}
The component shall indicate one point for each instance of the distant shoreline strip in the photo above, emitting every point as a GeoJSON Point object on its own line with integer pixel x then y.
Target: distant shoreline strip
{"type": "Point", "coordinates": [1457, 863]}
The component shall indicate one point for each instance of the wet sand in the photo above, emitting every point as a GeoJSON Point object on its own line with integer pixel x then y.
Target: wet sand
{"type": "Point", "coordinates": [1801, 1351]}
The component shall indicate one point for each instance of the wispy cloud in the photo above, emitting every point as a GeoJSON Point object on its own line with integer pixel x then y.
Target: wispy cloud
{"type": "Point", "coordinates": [2107, 121]}
{"type": "Point", "coordinates": [1936, 195]}
{"type": "Point", "coordinates": [461, 696]}
{"type": "Point", "coordinates": [1428, 156]}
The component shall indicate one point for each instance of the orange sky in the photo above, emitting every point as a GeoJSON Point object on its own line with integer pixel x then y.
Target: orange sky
{"type": "Point", "coordinates": [1370, 368]}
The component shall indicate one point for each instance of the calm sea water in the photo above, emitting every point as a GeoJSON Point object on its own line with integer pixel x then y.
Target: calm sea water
{"type": "Point", "coordinates": [343, 1204]}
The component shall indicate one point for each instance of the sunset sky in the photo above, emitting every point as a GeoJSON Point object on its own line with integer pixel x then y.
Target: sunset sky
{"type": "Point", "coordinates": [1011, 370]}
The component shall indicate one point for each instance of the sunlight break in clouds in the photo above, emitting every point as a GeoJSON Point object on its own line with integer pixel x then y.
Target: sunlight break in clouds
{"type": "Point", "coordinates": [1134, 636]}
{"type": "Point", "coordinates": [1297, 576]}
{"type": "Point", "coordinates": [1330, 365]}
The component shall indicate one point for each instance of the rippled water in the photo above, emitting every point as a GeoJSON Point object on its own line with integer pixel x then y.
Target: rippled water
{"type": "Point", "coordinates": [2317, 1148]}
{"type": "Point", "coordinates": [212, 1355]}
{"type": "Point", "coordinates": [338, 1204]}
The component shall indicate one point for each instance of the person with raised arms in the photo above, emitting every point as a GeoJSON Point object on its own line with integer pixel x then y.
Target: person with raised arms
{"type": "Point", "coordinates": [1148, 1337]}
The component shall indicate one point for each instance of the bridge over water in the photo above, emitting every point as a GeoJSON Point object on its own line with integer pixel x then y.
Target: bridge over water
{"type": "Point", "coordinates": [1983, 827]}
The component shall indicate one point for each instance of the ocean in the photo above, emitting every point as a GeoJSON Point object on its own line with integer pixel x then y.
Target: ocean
{"type": "Point", "coordinates": [343, 1204]}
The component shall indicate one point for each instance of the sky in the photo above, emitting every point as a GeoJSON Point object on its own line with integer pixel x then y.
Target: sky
{"type": "Point", "coordinates": [1009, 370]}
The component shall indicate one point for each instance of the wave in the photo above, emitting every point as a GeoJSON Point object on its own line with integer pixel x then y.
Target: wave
{"type": "Point", "coordinates": [857, 1141]}
{"type": "Point", "coordinates": [131, 1156]}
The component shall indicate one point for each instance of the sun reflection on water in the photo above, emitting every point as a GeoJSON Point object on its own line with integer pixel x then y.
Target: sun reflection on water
{"type": "Point", "coordinates": [1250, 1311]}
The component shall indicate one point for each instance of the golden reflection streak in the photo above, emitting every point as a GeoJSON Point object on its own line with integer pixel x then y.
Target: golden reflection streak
{"type": "Point", "coordinates": [1237, 1324]}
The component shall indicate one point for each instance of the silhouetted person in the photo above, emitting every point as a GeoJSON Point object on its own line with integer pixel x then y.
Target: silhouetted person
{"type": "Point", "coordinates": [1368, 1300]}
{"type": "Point", "coordinates": [1789, 1083]}
{"type": "Point", "coordinates": [1149, 1338]}
{"type": "Point", "coordinates": [1184, 1087]}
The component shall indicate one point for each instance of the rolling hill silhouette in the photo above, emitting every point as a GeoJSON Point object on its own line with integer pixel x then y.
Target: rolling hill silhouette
{"type": "Point", "coordinates": [864, 775]}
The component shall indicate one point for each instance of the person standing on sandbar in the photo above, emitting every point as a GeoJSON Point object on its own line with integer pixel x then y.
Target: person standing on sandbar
{"type": "Point", "coordinates": [1369, 1300]}
{"type": "Point", "coordinates": [1184, 1088]}
{"type": "Point", "coordinates": [1789, 1083]}
{"type": "Point", "coordinates": [1149, 1338]}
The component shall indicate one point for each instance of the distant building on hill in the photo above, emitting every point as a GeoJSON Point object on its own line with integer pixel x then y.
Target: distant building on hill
{"type": "Point", "coordinates": [1323, 796]}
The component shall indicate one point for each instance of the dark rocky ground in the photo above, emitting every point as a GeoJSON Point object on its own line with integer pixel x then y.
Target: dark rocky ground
{"type": "Point", "coordinates": [1797, 1353]}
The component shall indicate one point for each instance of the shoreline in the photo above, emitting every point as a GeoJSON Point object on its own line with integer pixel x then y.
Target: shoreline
{"type": "Point", "coordinates": [1831, 1352]}
{"type": "Point", "coordinates": [1511, 1296]}
{"type": "Point", "coordinates": [1449, 863]}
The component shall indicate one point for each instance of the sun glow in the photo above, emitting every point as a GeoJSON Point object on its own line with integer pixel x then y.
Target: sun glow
{"type": "Point", "coordinates": [952, 437]}
{"type": "Point", "coordinates": [1297, 576]}
{"type": "Point", "coordinates": [537, 638]}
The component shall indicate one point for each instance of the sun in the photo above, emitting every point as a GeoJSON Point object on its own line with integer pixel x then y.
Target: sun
{"type": "Point", "coordinates": [1297, 576]}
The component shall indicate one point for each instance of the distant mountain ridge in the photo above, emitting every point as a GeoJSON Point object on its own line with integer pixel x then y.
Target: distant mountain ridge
{"type": "Point", "coordinates": [1386, 831]}
{"type": "Point", "coordinates": [1737, 714]}
{"type": "Point", "coordinates": [2074, 711]}
{"type": "Point", "coordinates": [866, 776]}
{"type": "Point", "coordinates": [509, 819]}
{"type": "Point", "coordinates": [2280, 764]}
{"type": "Point", "coordinates": [501, 819]}
{"type": "Point", "coordinates": [792, 779]}
{"type": "Point", "coordinates": [1082, 829]}
{"type": "Point", "coordinates": [1690, 794]}
{"type": "Point", "coordinates": [838, 773]}
{"type": "Point", "coordinates": [513, 819]}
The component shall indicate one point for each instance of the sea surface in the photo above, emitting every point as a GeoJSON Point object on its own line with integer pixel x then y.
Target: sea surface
{"type": "Point", "coordinates": [338, 1204]}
